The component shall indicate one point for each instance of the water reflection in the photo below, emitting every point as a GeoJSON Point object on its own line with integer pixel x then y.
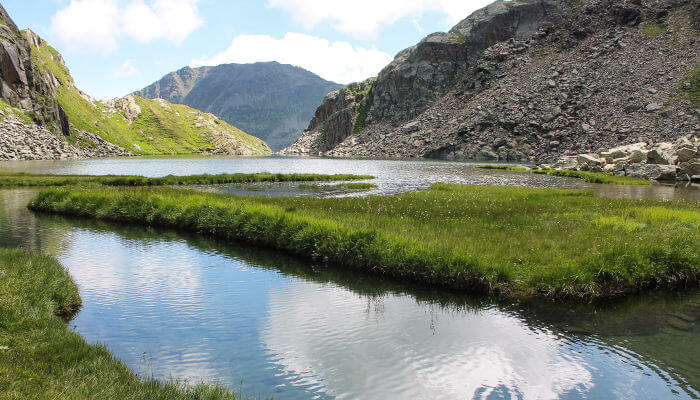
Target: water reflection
{"type": "Point", "coordinates": [206, 310]}
{"type": "Point", "coordinates": [393, 176]}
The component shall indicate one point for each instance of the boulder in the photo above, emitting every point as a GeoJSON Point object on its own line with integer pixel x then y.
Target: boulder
{"type": "Point", "coordinates": [660, 154]}
{"type": "Point", "coordinates": [590, 160]}
{"type": "Point", "coordinates": [637, 156]}
{"type": "Point", "coordinates": [655, 172]}
{"type": "Point", "coordinates": [566, 162]}
{"type": "Point", "coordinates": [486, 155]}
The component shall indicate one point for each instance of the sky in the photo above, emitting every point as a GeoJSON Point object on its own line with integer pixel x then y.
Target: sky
{"type": "Point", "coordinates": [114, 47]}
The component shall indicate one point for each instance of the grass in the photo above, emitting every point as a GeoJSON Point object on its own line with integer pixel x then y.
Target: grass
{"type": "Point", "coordinates": [653, 30]}
{"type": "Point", "coordinates": [594, 177]}
{"type": "Point", "coordinates": [690, 87]}
{"type": "Point", "coordinates": [502, 168]}
{"type": "Point", "coordinates": [7, 109]}
{"type": "Point", "coordinates": [25, 179]}
{"type": "Point", "coordinates": [41, 358]}
{"type": "Point", "coordinates": [348, 186]}
{"type": "Point", "coordinates": [503, 241]}
{"type": "Point", "coordinates": [161, 128]}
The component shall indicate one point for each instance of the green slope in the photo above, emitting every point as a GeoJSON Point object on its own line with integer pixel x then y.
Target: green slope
{"type": "Point", "coordinates": [160, 128]}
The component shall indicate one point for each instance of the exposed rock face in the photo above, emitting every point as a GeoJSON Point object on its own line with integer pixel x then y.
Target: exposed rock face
{"type": "Point", "coordinates": [420, 75]}
{"type": "Point", "coordinates": [22, 85]}
{"type": "Point", "coordinates": [20, 141]}
{"type": "Point", "coordinates": [269, 100]}
{"type": "Point", "coordinates": [540, 79]}
{"type": "Point", "coordinates": [126, 105]}
{"type": "Point", "coordinates": [335, 119]}
{"type": "Point", "coordinates": [666, 161]}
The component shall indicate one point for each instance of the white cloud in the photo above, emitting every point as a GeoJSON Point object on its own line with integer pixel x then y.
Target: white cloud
{"type": "Point", "coordinates": [364, 18]}
{"type": "Point", "coordinates": [337, 61]}
{"type": "Point", "coordinates": [126, 70]}
{"type": "Point", "coordinates": [100, 24]}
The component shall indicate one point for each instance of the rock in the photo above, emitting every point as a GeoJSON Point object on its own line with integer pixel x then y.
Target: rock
{"type": "Point", "coordinates": [566, 162]}
{"type": "Point", "coordinates": [690, 168]}
{"type": "Point", "coordinates": [637, 156]}
{"type": "Point", "coordinates": [660, 154]}
{"type": "Point", "coordinates": [652, 171]}
{"type": "Point", "coordinates": [485, 155]}
{"type": "Point", "coordinates": [590, 160]}
{"type": "Point", "coordinates": [411, 127]}
{"type": "Point", "coordinates": [653, 107]}
{"type": "Point", "coordinates": [126, 105]}
{"type": "Point", "coordinates": [685, 154]}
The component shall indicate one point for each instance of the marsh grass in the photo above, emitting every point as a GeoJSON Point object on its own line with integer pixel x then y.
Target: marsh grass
{"type": "Point", "coordinates": [594, 177]}
{"type": "Point", "coordinates": [502, 168]}
{"type": "Point", "coordinates": [25, 179]}
{"type": "Point", "coordinates": [348, 186]}
{"type": "Point", "coordinates": [506, 241]}
{"type": "Point", "coordinates": [41, 358]}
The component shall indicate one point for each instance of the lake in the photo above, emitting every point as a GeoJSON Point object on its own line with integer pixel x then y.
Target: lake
{"type": "Point", "coordinates": [186, 307]}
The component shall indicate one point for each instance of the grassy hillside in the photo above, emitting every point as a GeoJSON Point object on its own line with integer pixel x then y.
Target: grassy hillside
{"type": "Point", "coordinates": [160, 128]}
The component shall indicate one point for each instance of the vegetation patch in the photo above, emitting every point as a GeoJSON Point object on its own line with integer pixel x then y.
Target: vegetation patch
{"type": "Point", "coordinates": [161, 128]}
{"type": "Point", "coordinates": [6, 109]}
{"type": "Point", "coordinates": [653, 29]}
{"type": "Point", "coordinates": [505, 241]}
{"type": "Point", "coordinates": [594, 177]}
{"type": "Point", "coordinates": [41, 358]}
{"type": "Point", "coordinates": [348, 186]}
{"type": "Point", "coordinates": [690, 87]}
{"type": "Point", "coordinates": [25, 179]}
{"type": "Point", "coordinates": [503, 168]}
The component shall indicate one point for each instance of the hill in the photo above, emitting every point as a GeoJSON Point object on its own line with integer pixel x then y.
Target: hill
{"type": "Point", "coordinates": [270, 100]}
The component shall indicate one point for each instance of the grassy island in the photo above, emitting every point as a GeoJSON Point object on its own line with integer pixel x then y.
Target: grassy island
{"type": "Point", "coordinates": [25, 179]}
{"type": "Point", "coordinates": [502, 241]}
{"type": "Point", "coordinates": [41, 358]}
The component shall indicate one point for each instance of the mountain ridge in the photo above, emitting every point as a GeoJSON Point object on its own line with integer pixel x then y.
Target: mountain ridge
{"type": "Point", "coordinates": [43, 115]}
{"type": "Point", "coordinates": [528, 81]}
{"type": "Point", "coordinates": [270, 100]}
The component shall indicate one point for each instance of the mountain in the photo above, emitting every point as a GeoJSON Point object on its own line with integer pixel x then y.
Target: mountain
{"type": "Point", "coordinates": [43, 115]}
{"type": "Point", "coordinates": [270, 100]}
{"type": "Point", "coordinates": [525, 81]}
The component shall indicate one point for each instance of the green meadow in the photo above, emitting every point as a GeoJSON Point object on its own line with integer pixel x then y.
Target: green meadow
{"type": "Point", "coordinates": [499, 241]}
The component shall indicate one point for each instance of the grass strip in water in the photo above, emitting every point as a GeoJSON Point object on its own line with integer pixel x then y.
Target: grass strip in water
{"type": "Point", "coordinates": [41, 358]}
{"type": "Point", "coordinates": [349, 186]}
{"type": "Point", "coordinates": [503, 168]}
{"type": "Point", "coordinates": [25, 179]}
{"type": "Point", "coordinates": [594, 177]}
{"type": "Point", "coordinates": [506, 241]}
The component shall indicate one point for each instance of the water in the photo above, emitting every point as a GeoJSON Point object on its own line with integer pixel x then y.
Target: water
{"type": "Point", "coordinates": [187, 307]}
{"type": "Point", "coordinates": [392, 176]}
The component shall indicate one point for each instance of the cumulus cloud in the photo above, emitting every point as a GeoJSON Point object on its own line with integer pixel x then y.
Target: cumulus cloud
{"type": "Point", "coordinates": [364, 18]}
{"type": "Point", "coordinates": [336, 61]}
{"type": "Point", "coordinates": [126, 70]}
{"type": "Point", "coordinates": [100, 24]}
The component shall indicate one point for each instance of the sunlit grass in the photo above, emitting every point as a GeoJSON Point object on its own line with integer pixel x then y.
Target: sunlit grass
{"type": "Point", "coordinates": [594, 177]}
{"type": "Point", "coordinates": [25, 179]}
{"type": "Point", "coordinates": [41, 358]}
{"type": "Point", "coordinates": [498, 240]}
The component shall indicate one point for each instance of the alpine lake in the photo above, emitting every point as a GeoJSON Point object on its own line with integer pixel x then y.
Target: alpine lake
{"type": "Point", "coordinates": [186, 307]}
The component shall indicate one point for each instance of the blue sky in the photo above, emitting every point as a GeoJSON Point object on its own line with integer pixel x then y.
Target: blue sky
{"type": "Point", "coordinates": [114, 47]}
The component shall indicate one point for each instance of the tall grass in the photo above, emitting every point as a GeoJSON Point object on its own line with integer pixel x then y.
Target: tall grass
{"type": "Point", "coordinates": [41, 358]}
{"type": "Point", "coordinates": [491, 240]}
{"type": "Point", "coordinates": [25, 179]}
{"type": "Point", "coordinates": [594, 177]}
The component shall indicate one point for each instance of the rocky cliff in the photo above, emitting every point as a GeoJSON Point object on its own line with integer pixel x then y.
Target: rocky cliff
{"type": "Point", "coordinates": [269, 100]}
{"type": "Point", "coordinates": [529, 81]}
{"type": "Point", "coordinates": [23, 86]}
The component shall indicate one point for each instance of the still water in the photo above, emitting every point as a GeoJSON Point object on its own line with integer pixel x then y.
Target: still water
{"type": "Point", "coordinates": [181, 306]}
